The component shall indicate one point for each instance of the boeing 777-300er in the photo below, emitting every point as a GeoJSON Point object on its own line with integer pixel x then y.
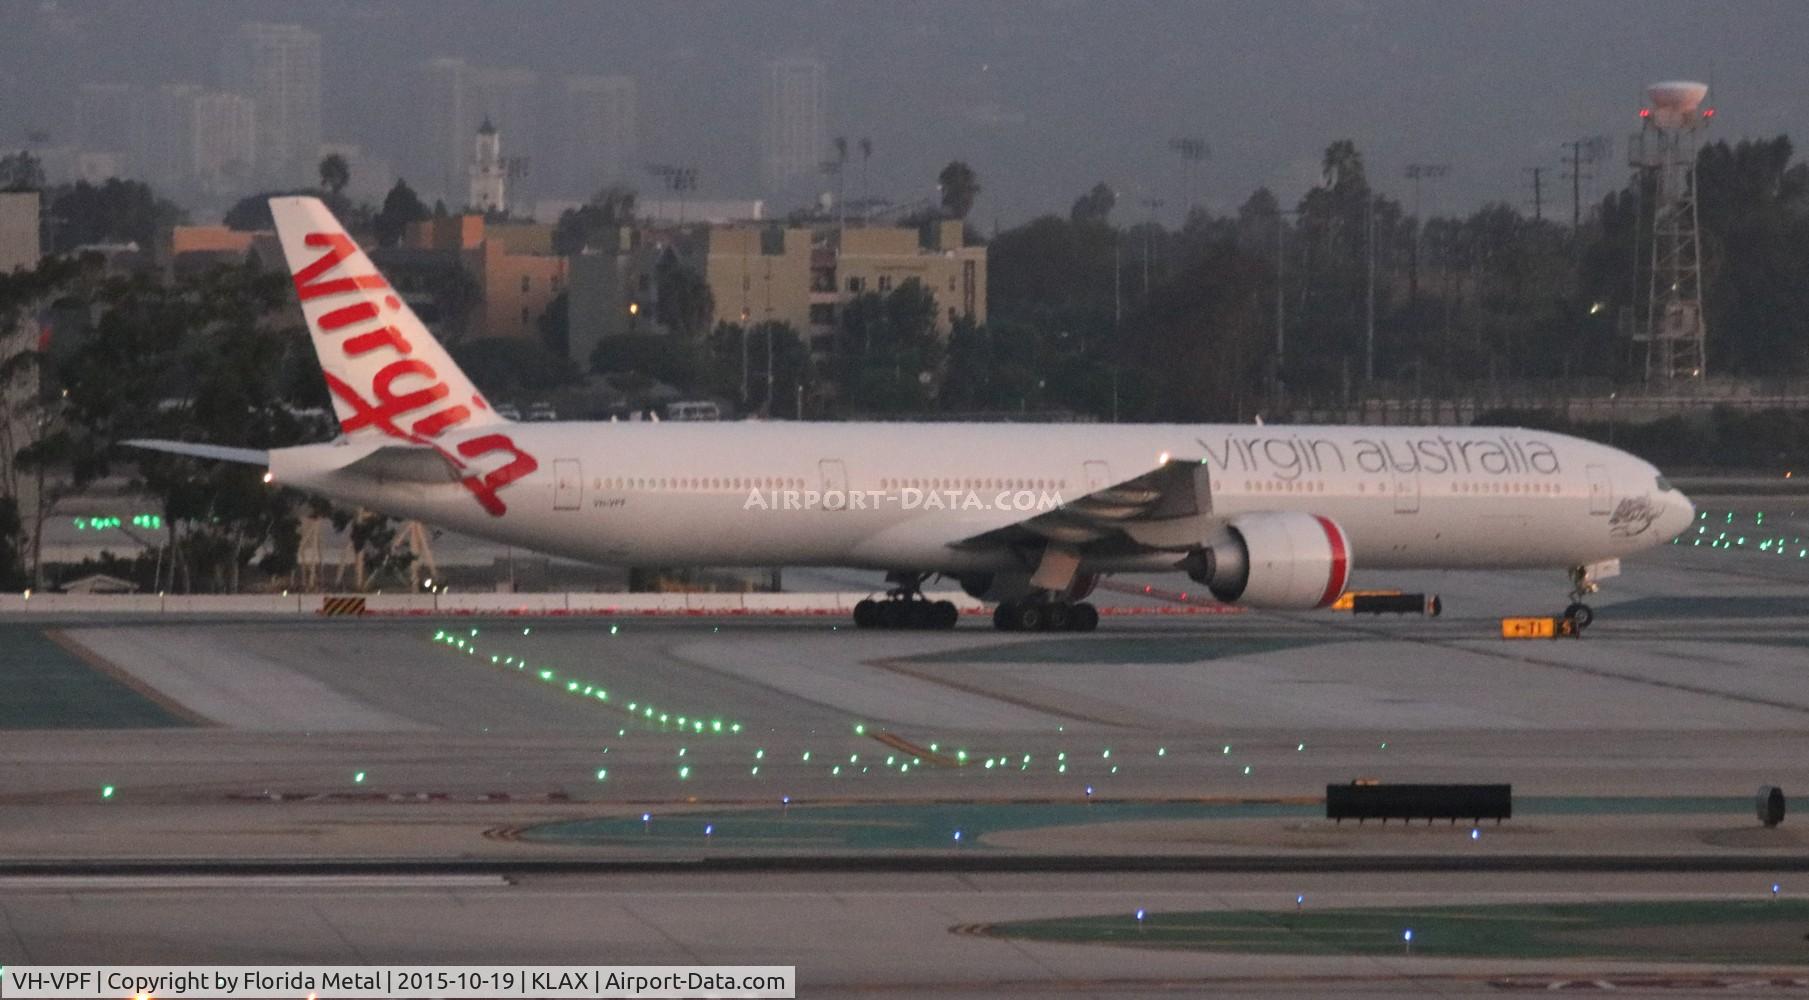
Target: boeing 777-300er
{"type": "Point", "coordinates": [1027, 516]}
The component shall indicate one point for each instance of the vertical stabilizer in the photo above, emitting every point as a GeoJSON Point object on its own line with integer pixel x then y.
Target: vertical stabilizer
{"type": "Point", "coordinates": [387, 373]}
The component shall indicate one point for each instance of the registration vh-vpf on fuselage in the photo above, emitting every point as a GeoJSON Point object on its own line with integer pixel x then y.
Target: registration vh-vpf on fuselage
{"type": "Point", "coordinates": [1028, 516]}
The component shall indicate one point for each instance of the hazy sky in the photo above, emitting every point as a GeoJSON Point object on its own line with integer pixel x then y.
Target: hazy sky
{"type": "Point", "coordinates": [1042, 98]}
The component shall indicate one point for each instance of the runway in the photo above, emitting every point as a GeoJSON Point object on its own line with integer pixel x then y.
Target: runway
{"type": "Point", "coordinates": [1161, 763]}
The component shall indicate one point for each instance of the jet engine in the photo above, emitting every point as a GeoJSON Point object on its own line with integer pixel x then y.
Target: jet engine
{"type": "Point", "coordinates": [1282, 560]}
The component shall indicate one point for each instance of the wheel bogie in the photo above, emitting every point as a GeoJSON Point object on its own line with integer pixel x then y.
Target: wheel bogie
{"type": "Point", "coordinates": [1045, 616]}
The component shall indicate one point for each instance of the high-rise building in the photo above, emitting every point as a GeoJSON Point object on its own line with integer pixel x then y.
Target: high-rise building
{"type": "Point", "coordinates": [441, 150]}
{"type": "Point", "coordinates": [163, 150]}
{"type": "Point", "coordinates": [224, 142]}
{"type": "Point", "coordinates": [278, 66]}
{"type": "Point", "coordinates": [105, 118]}
{"type": "Point", "coordinates": [599, 129]}
{"type": "Point", "coordinates": [18, 230]}
{"type": "Point", "coordinates": [793, 129]}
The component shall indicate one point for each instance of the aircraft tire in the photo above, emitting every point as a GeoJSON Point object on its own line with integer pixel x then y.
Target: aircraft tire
{"type": "Point", "coordinates": [1085, 618]}
{"type": "Point", "coordinates": [1028, 617]}
{"type": "Point", "coordinates": [1004, 617]}
{"type": "Point", "coordinates": [1058, 616]}
{"type": "Point", "coordinates": [866, 614]}
{"type": "Point", "coordinates": [1580, 613]}
{"type": "Point", "coordinates": [944, 615]}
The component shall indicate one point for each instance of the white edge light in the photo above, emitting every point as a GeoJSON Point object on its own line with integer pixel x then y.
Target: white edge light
{"type": "Point", "coordinates": [269, 477]}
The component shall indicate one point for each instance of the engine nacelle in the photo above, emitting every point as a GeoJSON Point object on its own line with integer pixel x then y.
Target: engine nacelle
{"type": "Point", "coordinates": [1276, 559]}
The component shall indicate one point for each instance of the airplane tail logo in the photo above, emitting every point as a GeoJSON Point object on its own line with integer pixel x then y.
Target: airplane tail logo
{"type": "Point", "coordinates": [388, 376]}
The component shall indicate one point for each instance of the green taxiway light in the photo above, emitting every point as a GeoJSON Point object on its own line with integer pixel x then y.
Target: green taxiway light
{"type": "Point", "coordinates": [807, 756]}
{"type": "Point", "coordinates": [684, 773]}
{"type": "Point", "coordinates": [602, 774]}
{"type": "Point", "coordinates": [546, 675]}
{"type": "Point", "coordinates": [860, 730]}
{"type": "Point", "coordinates": [358, 778]}
{"type": "Point", "coordinates": [106, 791]}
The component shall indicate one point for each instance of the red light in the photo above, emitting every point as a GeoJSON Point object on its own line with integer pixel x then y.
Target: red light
{"type": "Point", "coordinates": [1708, 112]}
{"type": "Point", "coordinates": [1645, 112]}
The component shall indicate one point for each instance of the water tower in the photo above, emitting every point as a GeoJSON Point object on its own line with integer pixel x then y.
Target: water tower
{"type": "Point", "coordinates": [1664, 150]}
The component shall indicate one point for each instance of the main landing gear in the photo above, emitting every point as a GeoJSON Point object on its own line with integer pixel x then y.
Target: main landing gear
{"type": "Point", "coordinates": [1580, 615]}
{"type": "Point", "coordinates": [1045, 615]}
{"type": "Point", "coordinates": [905, 607]}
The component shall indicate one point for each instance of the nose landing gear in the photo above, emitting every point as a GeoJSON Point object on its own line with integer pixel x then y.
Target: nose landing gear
{"type": "Point", "coordinates": [905, 607]}
{"type": "Point", "coordinates": [1582, 584]}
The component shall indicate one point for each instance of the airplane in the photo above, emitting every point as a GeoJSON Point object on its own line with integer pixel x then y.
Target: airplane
{"type": "Point", "coordinates": [1025, 516]}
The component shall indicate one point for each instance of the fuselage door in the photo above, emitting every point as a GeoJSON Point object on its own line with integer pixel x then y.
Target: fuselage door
{"type": "Point", "coordinates": [1097, 475]}
{"type": "Point", "coordinates": [835, 483]}
{"type": "Point", "coordinates": [568, 484]}
{"type": "Point", "coordinates": [1601, 491]}
{"type": "Point", "coordinates": [1407, 491]}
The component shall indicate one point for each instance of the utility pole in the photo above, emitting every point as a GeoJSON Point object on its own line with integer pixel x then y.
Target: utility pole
{"type": "Point", "coordinates": [1369, 298]}
{"type": "Point", "coordinates": [1193, 151]}
{"type": "Point", "coordinates": [1149, 238]}
{"type": "Point", "coordinates": [678, 180]}
{"type": "Point", "coordinates": [1581, 159]}
{"type": "Point", "coordinates": [1415, 173]}
{"type": "Point", "coordinates": [1538, 192]}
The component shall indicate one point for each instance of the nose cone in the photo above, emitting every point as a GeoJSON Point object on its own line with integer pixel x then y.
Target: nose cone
{"type": "Point", "coordinates": [1680, 513]}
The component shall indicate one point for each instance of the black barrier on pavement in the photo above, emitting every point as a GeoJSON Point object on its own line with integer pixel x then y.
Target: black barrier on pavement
{"type": "Point", "coordinates": [1411, 802]}
{"type": "Point", "coordinates": [1390, 604]}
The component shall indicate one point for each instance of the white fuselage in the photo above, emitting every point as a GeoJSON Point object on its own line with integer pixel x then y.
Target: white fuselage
{"type": "Point", "coordinates": [903, 496]}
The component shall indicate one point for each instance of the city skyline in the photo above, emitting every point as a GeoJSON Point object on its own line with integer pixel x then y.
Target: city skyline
{"type": "Point", "coordinates": [1041, 102]}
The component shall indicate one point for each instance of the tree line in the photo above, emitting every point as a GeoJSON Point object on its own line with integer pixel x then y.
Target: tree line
{"type": "Point", "coordinates": [1087, 314]}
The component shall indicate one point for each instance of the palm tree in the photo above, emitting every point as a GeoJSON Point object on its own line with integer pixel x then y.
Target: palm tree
{"type": "Point", "coordinates": [335, 174]}
{"type": "Point", "coordinates": [960, 186]}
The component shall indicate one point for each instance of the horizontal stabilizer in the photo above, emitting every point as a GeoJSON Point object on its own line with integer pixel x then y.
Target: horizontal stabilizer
{"type": "Point", "coordinates": [244, 456]}
{"type": "Point", "coordinates": [405, 464]}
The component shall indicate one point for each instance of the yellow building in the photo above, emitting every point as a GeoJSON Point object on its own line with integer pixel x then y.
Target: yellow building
{"type": "Point", "coordinates": [761, 273]}
{"type": "Point", "coordinates": [881, 259]}
{"type": "Point", "coordinates": [513, 264]}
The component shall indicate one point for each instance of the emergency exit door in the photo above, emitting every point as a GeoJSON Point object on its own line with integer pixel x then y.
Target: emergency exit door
{"type": "Point", "coordinates": [568, 484]}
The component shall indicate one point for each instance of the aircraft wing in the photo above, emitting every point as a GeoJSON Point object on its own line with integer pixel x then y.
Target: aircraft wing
{"type": "Point", "coordinates": [1168, 507]}
{"type": "Point", "coordinates": [405, 464]}
{"type": "Point", "coordinates": [220, 453]}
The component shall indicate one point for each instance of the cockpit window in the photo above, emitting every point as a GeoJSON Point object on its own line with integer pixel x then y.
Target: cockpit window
{"type": "Point", "coordinates": [1664, 485]}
